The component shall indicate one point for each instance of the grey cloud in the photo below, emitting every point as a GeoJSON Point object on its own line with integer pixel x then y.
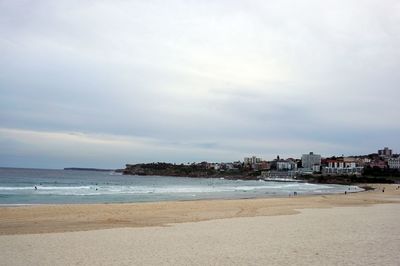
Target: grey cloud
{"type": "Point", "coordinates": [204, 77]}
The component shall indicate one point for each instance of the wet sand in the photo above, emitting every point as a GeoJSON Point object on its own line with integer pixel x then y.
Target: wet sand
{"type": "Point", "coordinates": [358, 229]}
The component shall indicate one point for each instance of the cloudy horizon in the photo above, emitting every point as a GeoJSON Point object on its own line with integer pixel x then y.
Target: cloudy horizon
{"type": "Point", "coordinates": [105, 83]}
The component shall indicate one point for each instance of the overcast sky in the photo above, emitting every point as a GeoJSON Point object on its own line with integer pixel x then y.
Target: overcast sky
{"type": "Point", "coordinates": [104, 83]}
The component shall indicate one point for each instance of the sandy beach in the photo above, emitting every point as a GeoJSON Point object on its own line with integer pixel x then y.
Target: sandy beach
{"type": "Point", "coordinates": [357, 229]}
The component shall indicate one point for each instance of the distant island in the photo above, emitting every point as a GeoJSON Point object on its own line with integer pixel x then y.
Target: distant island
{"type": "Point", "coordinates": [88, 169]}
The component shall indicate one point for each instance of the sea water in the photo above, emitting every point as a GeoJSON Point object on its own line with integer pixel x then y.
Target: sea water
{"type": "Point", "coordinates": [17, 186]}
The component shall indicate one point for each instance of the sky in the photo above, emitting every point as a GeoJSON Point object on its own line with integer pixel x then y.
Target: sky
{"type": "Point", "coordinates": [105, 83]}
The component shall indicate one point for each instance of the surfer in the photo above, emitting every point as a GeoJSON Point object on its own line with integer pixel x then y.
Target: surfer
{"type": "Point", "coordinates": [35, 187]}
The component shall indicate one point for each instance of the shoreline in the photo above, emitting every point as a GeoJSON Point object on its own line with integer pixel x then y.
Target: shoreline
{"type": "Point", "coordinates": [39, 219]}
{"type": "Point", "coordinates": [363, 188]}
{"type": "Point", "coordinates": [6, 205]}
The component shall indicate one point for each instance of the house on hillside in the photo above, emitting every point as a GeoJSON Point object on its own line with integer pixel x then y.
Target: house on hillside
{"type": "Point", "coordinates": [341, 166]}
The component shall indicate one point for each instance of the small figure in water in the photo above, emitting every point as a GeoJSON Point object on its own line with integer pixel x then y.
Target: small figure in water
{"type": "Point", "coordinates": [35, 187]}
{"type": "Point", "coordinates": [295, 193]}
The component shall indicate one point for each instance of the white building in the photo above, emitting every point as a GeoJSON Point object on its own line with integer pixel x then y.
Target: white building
{"type": "Point", "coordinates": [217, 166]}
{"type": "Point", "coordinates": [394, 163]}
{"type": "Point", "coordinates": [252, 160]}
{"type": "Point", "coordinates": [309, 160]}
{"type": "Point", "coordinates": [342, 166]}
{"type": "Point", "coordinates": [286, 165]}
{"type": "Point", "coordinates": [316, 168]}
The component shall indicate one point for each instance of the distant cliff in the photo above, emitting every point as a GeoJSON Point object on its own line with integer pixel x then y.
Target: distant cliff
{"type": "Point", "coordinates": [191, 170]}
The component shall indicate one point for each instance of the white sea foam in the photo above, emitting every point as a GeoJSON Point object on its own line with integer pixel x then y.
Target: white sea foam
{"type": "Point", "coordinates": [98, 190]}
{"type": "Point", "coordinates": [167, 189]}
{"type": "Point", "coordinates": [44, 188]}
{"type": "Point", "coordinates": [115, 173]}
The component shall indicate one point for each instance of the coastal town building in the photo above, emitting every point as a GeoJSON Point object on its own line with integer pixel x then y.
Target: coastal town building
{"type": "Point", "coordinates": [217, 166]}
{"type": "Point", "coordinates": [378, 164]}
{"type": "Point", "coordinates": [229, 166]}
{"type": "Point", "coordinates": [263, 165]}
{"type": "Point", "coordinates": [342, 166]}
{"type": "Point", "coordinates": [394, 163]}
{"type": "Point", "coordinates": [251, 160]}
{"type": "Point", "coordinates": [316, 168]}
{"type": "Point", "coordinates": [310, 160]}
{"type": "Point", "coordinates": [286, 165]}
{"type": "Point", "coordinates": [386, 152]}
{"type": "Point", "coordinates": [363, 161]}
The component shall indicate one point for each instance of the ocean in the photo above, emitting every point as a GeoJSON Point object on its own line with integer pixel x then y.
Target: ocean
{"type": "Point", "coordinates": [17, 187]}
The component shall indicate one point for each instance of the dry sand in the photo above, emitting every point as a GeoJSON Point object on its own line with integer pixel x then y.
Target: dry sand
{"type": "Point", "coordinates": [355, 229]}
